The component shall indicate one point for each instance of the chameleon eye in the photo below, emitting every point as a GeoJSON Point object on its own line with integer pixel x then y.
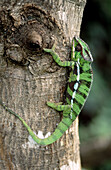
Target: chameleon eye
{"type": "Point", "coordinates": [78, 48]}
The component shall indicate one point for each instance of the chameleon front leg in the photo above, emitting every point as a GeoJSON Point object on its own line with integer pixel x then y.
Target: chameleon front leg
{"type": "Point", "coordinates": [57, 58]}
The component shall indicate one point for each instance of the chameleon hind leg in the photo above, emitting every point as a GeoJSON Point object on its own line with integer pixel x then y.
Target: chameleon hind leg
{"type": "Point", "coordinates": [57, 58]}
{"type": "Point", "coordinates": [59, 107]}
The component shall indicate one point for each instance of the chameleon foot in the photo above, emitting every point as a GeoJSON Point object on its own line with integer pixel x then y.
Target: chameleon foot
{"type": "Point", "coordinates": [49, 50]}
{"type": "Point", "coordinates": [54, 105]}
{"type": "Point", "coordinates": [58, 106]}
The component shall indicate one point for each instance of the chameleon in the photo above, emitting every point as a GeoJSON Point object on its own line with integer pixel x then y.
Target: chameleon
{"type": "Point", "coordinates": [78, 88]}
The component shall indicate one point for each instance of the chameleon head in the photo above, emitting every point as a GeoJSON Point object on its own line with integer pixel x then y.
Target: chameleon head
{"type": "Point", "coordinates": [82, 50]}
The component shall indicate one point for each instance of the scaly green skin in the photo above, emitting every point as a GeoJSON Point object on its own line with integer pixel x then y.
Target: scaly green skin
{"type": "Point", "coordinates": [80, 81]}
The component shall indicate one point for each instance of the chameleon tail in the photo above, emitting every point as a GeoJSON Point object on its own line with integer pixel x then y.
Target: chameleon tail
{"type": "Point", "coordinates": [61, 128]}
{"type": "Point", "coordinates": [59, 131]}
{"type": "Point", "coordinates": [9, 110]}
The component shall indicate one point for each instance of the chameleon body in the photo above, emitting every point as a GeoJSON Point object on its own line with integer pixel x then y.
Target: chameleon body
{"type": "Point", "coordinates": [79, 84]}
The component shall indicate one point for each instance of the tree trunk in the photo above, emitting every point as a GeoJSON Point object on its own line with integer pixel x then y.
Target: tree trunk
{"type": "Point", "coordinates": [29, 77]}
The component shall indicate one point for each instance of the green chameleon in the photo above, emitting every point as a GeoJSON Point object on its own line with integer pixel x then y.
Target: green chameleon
{"type": "Point", "coordinates": [79, 85]}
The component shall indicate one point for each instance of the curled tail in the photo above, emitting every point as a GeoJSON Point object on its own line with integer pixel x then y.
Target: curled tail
{"type": "Point", "coordinates": [61, 128]}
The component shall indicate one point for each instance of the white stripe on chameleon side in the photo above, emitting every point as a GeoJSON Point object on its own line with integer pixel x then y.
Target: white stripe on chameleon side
{"type": "Point", "coordinates": [75, 86]}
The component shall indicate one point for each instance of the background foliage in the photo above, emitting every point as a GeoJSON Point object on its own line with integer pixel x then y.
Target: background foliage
{"type": "Point", "coordinates": [95, 119]}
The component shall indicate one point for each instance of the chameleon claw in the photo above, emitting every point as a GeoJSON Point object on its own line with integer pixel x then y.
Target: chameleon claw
{"type": "Point", "coordinates": [53, 47]}
{"type": "Point", "coordinates": [50, 50]}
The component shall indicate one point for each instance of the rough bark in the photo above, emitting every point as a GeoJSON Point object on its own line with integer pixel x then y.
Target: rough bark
{"type": "Point", "coordinates": [29, 77]}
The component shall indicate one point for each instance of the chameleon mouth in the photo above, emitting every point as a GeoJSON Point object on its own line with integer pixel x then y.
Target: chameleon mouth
{"type": "Point", "coordinates": [87, 56]}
